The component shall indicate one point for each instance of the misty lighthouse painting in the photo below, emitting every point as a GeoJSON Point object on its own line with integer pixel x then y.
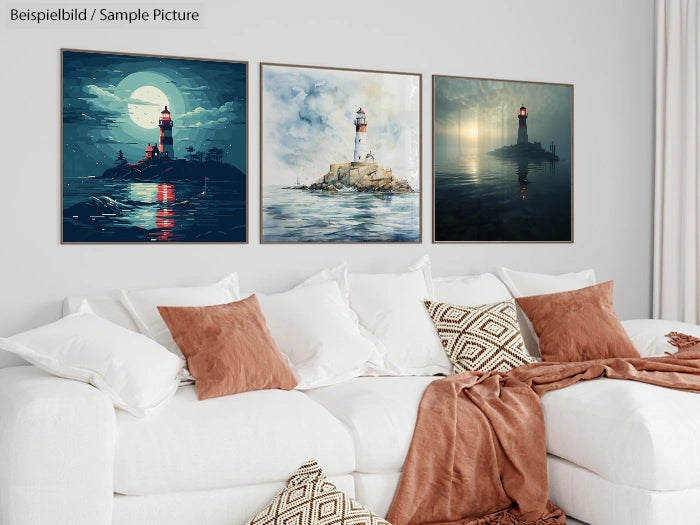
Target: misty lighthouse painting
{"type": "Point", "coordinates": [502, 161]}
{"type": "Point", "coordinates": [341, 155]}
{"type": "Point", "coordinates": [154, 149]}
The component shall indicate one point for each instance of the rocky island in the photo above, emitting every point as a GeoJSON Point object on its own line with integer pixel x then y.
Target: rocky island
{"type": "Point", "coordinates": [363, 173]}
{"type": "Point", "coordinates": [360, 176]}
{"type": "Point", "coordinates": [177, 170]}
{"type": "Point", "coordinates": [524, 150]}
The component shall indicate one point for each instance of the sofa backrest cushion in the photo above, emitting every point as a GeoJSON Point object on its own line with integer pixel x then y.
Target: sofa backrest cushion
{"type": "Point", "coordinates": [470, 290]}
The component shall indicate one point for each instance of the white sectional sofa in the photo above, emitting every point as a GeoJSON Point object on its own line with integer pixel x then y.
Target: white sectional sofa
{"type": "Point", "coordinates": [620, 453]}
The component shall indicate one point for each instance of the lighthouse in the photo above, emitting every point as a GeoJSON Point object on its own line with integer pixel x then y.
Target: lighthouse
{"type": "Point", "coordinates": [522, 125]}
{"type": "Point", "coordinates": [166, 134]}
{"type": "Point", "coordinates": [361, 150]}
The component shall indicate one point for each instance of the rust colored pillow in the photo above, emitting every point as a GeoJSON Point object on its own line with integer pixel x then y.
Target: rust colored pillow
{"type": "Point", "coordinates": [228, 348]}
{"type": "Point", "coordinates": [578, 325]}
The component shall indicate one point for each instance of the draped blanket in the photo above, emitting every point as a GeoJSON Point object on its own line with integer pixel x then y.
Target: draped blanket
{"type": "Point", "coordinates": [478, 453]}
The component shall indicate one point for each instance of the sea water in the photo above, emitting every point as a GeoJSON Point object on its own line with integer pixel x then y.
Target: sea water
{"type": "Point", "coordinates": [484, 198]}
{"type": "Point", "coordinates": [103, 210]}
{"type": "Point", "coordinates": [297, 215]}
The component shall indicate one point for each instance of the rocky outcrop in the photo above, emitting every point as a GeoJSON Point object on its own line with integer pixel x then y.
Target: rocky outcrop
{"type": "Point", "coordinates": [529, 151]}
{"type": "Point", "coordinates": [361, 176]}
{"type": "Point", "coordinates": [174, 171]}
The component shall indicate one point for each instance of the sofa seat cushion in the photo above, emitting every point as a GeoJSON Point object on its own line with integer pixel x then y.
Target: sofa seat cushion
{"type": "Point", "coordinates": [380, 413]}
{"type": "Point", "coordinates": [627, 432]}
{"type": "Point", "coordinates": [243, 439]}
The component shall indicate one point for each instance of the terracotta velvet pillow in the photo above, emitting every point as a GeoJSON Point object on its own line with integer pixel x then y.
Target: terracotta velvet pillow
{"type": "Point", "coordinates": [578, 325]}
{"type": "Point", "coordinates": [228, 348]}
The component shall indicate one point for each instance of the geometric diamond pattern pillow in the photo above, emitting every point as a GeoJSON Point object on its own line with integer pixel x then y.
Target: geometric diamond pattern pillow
{"type": "Point", "coordinates": [480, 338]}
{"type": "Point", "coordinates": [310, 499]}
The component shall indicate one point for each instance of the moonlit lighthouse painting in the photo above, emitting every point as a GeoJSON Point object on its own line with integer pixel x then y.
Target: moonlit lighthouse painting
{"type": "Point", "coordinates": [503, 161]}
{"type": "Point", "coordinates": [154, 149]}
{"type": "Point", "coordinates": [340, 159]}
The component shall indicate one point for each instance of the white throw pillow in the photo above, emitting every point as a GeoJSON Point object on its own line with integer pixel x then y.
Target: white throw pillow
{"type": "Point", "coordinates": [338, 273]}
{"type": "Point", "coordinates": [136, 373]}
{"type": "Point", "coordinates": [319, 334]}
{"type": "Point", "coordinates": [143, 305]}
{"type": "Point", "coordinates": [106, 307]}
{"type": "Point", "coordinates": [649, 335]}
{"type": "Point", "coordinates": [523, 284]}
{"type": "Point", "coordinates": [391, 307]}
{"type": "Point", "coordinates": [470, 290]}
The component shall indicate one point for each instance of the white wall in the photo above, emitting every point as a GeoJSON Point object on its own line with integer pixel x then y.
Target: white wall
{"type": "Point", "coordinates": [604, 48]}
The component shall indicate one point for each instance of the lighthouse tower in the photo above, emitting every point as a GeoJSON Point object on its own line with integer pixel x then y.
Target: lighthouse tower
{"type": "Point", "coordinates": [522, 125]}
{"type": "Point", "coordinates": [166, 134]}
{"type": "Point", "coordinates": [361, 150]}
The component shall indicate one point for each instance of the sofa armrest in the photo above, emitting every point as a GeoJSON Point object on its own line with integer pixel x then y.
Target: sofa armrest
{"type": "Point", "coordinates": [57, 441]}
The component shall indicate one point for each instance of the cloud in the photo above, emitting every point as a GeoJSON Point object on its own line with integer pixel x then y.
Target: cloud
{"type": "Point", "coordinates": [216, 117]}
{"type": "Point", "coordinates": [308, 119]}
{"type": "Point", "coordinates": [108, 140]}
{"type": "Point", "coordinates": [103, 100]}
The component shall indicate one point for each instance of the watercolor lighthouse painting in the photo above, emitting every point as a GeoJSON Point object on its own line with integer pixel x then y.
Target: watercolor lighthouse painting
{"type": "Point", "coordinates": [154, 149]}
{"type": "Point", "coordinates": [340, 155]}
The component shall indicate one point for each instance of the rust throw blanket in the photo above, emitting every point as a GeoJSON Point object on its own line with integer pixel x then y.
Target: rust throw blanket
{"type": "Point", "coordinates": [478, 452]}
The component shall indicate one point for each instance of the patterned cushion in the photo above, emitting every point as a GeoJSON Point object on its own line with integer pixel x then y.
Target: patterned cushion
{"type": "Point", "coordinates": [310, 499]}
{"type": "Point", "coordinates": [480, 338]}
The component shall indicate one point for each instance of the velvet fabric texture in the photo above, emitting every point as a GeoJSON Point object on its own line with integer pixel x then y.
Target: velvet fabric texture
{"type": "Point", "coordinates": [228, 348]}
{"type": "Point", "coordinates": [579, 325]}
{"type": "Point", "coordinates": [478, 452]}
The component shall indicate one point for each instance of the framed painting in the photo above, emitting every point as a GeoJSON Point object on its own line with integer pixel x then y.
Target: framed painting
{"type": "Point", "coordinates": [340, 155]}
{"type": "Point", "coordinates": [502, 160]}
{"type": "Point", "coordinates": [154, 149]}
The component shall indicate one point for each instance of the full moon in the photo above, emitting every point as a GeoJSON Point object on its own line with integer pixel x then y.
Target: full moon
{"type": "Point", "coordinates": [145, 105]}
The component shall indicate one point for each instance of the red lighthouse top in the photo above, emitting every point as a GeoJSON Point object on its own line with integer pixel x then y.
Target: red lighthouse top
{"type": "Point", "coordinates": [523, 111]}
{"type": "Point", "coordinates": [360, 120]}
{"type": "Point", "coordinates": [165, 114]}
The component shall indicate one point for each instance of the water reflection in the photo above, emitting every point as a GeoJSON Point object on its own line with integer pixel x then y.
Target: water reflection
{"type": "Point", "coordinates": [183, 211]}
{"type": "Point", "coordinates": [522, 178]}
{"type": "Point", "coordinates": [161, 216]}
{"type": "Point", "coordinates": [483, 198]}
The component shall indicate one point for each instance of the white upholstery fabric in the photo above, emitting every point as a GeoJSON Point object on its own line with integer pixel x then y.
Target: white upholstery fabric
{"type": "Point", "coordinates": [470, 290]}
{"type": "Point", "coordinates": [56, 450]}
{"type": "Point", "coordinates": [627, 432]}
{"type": "Point", "coordinates": [592, 499]}
{"type": "Point", "coordinates": [231, 506]}
{"type": "Point", "coordinates": [134, 371]}
{"type": "Point", "coordinates": [649, 335]}
{"type": "Point", "coordinates": [107, 307]}
{"type": "Point", "coordinates": [391, 307]}
{"type": "Point", "coordinates": [523, 284]}
{"type": "Point", "coordinates": [243, 439]}
{"type": "Point", "coordinates": [317, 331]}
{"type": "Point", "coordinates": [143, 305]}
{"type": "Point", "coordinates": [376, 491]}
{"type": "Point", "coordinates": [9, 359]}
{"type": "Point", "coordinates": [380, 413]}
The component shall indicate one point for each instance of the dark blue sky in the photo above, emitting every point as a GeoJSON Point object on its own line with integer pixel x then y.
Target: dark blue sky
{"type": "Point", "coordinates": [110, 102]}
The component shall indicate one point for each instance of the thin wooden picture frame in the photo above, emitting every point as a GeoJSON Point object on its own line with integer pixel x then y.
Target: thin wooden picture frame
{"type": "Point", "coordinates": [154, 149]}
{"type": "Point", "coordinates": [340, 155]}
{"type": "Point", "coordinates": [497, 176]}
